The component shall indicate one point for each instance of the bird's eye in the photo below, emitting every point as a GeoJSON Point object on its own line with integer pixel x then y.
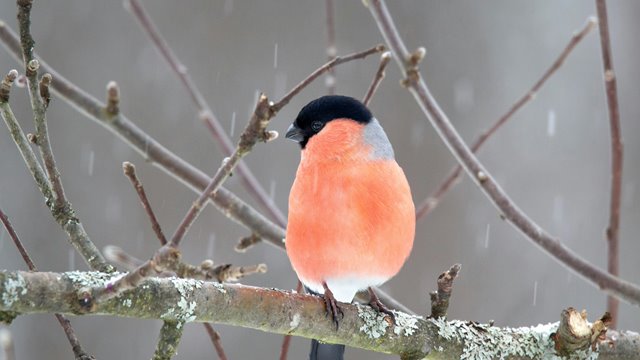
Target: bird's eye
{"type": "Point", "coordinates": [316, 125]}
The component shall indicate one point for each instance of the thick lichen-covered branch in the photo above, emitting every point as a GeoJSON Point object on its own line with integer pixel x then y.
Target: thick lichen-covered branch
{"type": "Point", "coordinates": [282, 312]}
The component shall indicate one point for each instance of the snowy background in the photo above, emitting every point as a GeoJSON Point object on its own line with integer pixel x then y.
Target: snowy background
{"type": "Point", "coordinates": [552, 158]}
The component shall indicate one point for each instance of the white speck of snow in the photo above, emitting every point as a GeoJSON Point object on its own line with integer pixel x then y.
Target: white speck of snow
{"type": "Point", "coordinates": [535, 293]}
{"type": "Point", "coordinates": [486, 237]}
{"type": "Point", "coordinates": [92, 155]}
{"type": "Point", "coordinates": [275, 56]}
{"type": "Point", "coordinates": [551, 123]}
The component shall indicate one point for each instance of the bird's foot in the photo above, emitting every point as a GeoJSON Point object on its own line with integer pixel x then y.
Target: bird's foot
{"type": "Point", "coordinates": [331, 305]}
{"type": "Point", "coordinates": [378, 306]}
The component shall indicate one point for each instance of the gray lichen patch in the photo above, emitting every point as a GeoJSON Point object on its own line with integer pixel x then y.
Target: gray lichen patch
{"type": "Point", "coordinates": [406, 324]}
{"type": "Point", "coordinates": [91, 279]}
{"type": "Point", "coordinates": [184, 311]}
{"type": "Point", "coordinates": [375, 324]}
{"type": "Point", "coordinates": [484, 342]}
{"type": "Point", "coordinates": [14, 286]}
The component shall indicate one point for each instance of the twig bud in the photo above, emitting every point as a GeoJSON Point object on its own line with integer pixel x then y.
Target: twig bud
{"type": "Point", "coordinates": [128, 168]}
{"type": "Point", "coordinates": [5, 87]}
{"type": "Point", "coordinates": [113, 99]}
{"type": "Point", "coordinates": [246, 242]}
{"type": "Point", "coordinates": [32, 67]}
{"type": "Point", "coordinates": [45, 82]}
{"type": "Point", "coordinates": [32, 138]}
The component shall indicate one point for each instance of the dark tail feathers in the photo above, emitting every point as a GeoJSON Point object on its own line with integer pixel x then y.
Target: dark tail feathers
{"type": "Point", "coordinates": [322, 351]}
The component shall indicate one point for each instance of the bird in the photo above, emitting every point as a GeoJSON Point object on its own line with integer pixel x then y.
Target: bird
{"type": "Point", "coordinates": [351, 218]}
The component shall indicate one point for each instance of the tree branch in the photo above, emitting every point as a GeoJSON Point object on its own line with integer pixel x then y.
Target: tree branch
{"type": "Point", "coordinates": [276, 311]}
{"type": "Point", "coordinates": [384, 61]}
{"type": "Point", "coordinates": [409, 65]}
{"type": "Point", "coordinates": [212, 123]}
{"type": "Point", "coordinates": [613, 259]}
{"type": "Point", "coordinates": [432, 201]}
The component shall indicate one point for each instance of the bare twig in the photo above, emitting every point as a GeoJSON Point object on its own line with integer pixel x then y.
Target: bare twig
{"type": "Point", "coordinates": [384, 61]}
{"type": "Point", "coordinates": [215, 339]}
{"type": "Point", "coordinates": [321, 70]}
{"type": "Point", "coordinates": [440, 298]}
{"type": "Point", "coordinates": [611, 284]}
{"type": "Point", "coordinates": [21, 140]}
{"type": "Point", "coordinates": [170, 335]}
{"type": "Point", "coordinates": [254, 132]}
{"type": "Point", "coordinates": [121, 258]}
{"type": "Point", "coordinates": [17, 242]}
{"type": "Point", "coordinates": [77, 349]}
{"type": "Point", "coordinates": [247, 242]}
{"type": "Point", "coordinates": [130, 172]}
{"type": "Point", "coordinates": [332, 50]}
{"type": "Point", "coordinates": [61, 209]}
{"type": "Point", "coordinates": [430, 203]}
{"type": "Point", "coordinates": [610, 83]}
{"type": "Point", "coordinates": [32, 66]}
{"type": "Point", "coordinates": [249, 180]}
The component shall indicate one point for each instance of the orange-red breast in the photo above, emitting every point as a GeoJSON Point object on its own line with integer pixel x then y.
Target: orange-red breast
{"type": "Point", "coordinates": [351, 215]}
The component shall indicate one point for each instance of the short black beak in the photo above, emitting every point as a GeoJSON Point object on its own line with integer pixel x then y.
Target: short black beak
{"type": "Point", "coordinates": [294, 133]}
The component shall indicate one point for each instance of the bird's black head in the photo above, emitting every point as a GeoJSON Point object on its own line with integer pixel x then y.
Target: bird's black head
{"type": "Point", "coordinates": [316, 114]}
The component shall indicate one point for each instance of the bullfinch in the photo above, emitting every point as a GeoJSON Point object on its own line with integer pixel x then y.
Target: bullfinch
{"type": "Point", "coordinates": [351, 215]}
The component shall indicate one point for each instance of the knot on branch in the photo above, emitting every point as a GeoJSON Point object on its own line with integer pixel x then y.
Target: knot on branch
{"type": "Point", "coordinates": [576, 334]}
{"type": "Point", "coordinates": [412, 72]}
{"type": "Point", "coordinates": [113, 99]}
{"type": "Point", "coordinates": [43, 86]}
{"type": "Point", "coordinates": [256, 129]}
{"type": "Point", "coordinates": [440, 298]}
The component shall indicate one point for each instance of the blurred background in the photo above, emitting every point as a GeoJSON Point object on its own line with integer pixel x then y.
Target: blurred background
{"type": "Point", "coordinates": [552, 158]}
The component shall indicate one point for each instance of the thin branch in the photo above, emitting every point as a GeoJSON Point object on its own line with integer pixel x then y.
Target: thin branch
{"type": "Point", "coordinates": [170, 335]}
{"type": "Point", "coordinates": [61, 209]}
{"type": "Point", "coordinates": [21, 140]}
{"type": "Point", "coordinates": [440, 298]}
{"type": "Point", "coordinates": [77, 349]}
{"type": "Point", "coordinates": [409, 65]}
{"type": "Point", "coordinates": [130, 171]}
{"type": "Point", "coordinates": [613, 258]}
{"type": "Point", "coordinates": [64, 217]}
{"type": "Point", "coordinates": [332, 50]}
{"type": "Point", "coordinates": [377, 79]}
{"type": "Point", "coordinates": [16, 241]}
{"type": "Point", "coordinates": [321, 70]}
{"type": "Point", "coordinates": [277, 311]}
{"type": "Point", "coordinates": [32, 66]}
{"type": "Point", "coordinates": [254, 132]}
{"type": "Point", "coordinates": [434, 199]}
{"type": "Point", "coordinates": [212, 123]}
{"type": "Point", "coordinates": [216, 341]}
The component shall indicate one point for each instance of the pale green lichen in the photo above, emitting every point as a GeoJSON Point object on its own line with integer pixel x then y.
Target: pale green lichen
{"type": "Point", "coordinates": [295, 321]}
{"type": "Point", "coordinates": [185, 309]}
{"type": "Point", "coordinates": [406, 324]}
{"type": "Point", "coordinates": [375, 324]}
{"type": "Point", "coordinates": [14, 286]}
{"type": "Point", "coordinates": [92, 279]}
{"type": "Point", "coordinates": [481, 341]}
{"type": "Point", "coordinates": [219, 286]}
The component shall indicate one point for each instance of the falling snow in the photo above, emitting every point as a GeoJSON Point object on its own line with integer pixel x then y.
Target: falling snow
{"type": "Point", "coordinates": [551, 123]}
